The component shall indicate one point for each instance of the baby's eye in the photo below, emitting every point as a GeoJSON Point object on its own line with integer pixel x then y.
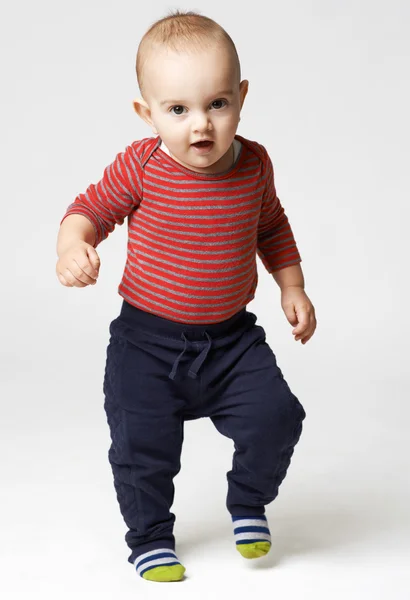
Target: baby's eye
{"type": "Point", "coordinates": [216, 102]}
{"type": "Point", "coordinates": [177, 106]}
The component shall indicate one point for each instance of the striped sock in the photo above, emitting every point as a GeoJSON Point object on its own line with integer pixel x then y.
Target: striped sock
{"type": "Point", "coordinates": [159, 565]}
{"type": "Point", "coordinates": [252, 535]}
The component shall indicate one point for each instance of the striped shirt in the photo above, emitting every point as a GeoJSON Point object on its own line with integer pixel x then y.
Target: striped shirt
{"type": "Point", "coordinates": [192, 237]}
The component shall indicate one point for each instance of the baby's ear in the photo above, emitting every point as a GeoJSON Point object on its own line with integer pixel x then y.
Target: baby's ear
{"type": "Point", "coordinates": [243, 90]}
{"type": "Point", "coordinates": [143, 110]}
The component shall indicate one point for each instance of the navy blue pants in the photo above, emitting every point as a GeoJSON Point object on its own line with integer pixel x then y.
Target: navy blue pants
{"type": "Point", "coordinates": [158, 375]}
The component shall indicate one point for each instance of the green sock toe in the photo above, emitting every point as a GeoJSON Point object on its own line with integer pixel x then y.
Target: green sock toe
{"type": "Point", "coordinates": [172, 573]}
{"type": "Point", "coordinates": [254, 550]}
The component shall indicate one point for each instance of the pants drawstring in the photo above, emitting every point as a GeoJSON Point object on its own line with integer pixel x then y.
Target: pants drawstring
{"type": "Point", "coordinates": [197, 363]}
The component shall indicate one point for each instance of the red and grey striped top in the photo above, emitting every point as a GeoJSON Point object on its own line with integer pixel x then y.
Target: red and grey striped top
{"type": "Point", "coordinates": [192, 237]}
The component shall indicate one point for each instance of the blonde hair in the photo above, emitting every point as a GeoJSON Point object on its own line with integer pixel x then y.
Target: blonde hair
{"type": "Point", "coordinates": [183, 31]}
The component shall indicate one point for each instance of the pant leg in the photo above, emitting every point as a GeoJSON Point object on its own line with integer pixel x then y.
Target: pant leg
{"type": "Point", "coordinates": [146, 428]}
{"type": "Point", "coordinates": [253, 405]}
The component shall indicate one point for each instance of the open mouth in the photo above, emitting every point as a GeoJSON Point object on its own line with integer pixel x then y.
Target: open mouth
{"type": "Point", "coordinates": [206, 145]}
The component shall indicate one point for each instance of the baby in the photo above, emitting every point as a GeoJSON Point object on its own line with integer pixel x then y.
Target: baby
{"type": "Point", "coordinates": [200, 203]}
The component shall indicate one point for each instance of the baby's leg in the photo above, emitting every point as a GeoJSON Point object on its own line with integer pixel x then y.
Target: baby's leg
{"type": "Point", "coordinates": [147, 434]}
{"type": "Point", "coordinates": [256, 409]}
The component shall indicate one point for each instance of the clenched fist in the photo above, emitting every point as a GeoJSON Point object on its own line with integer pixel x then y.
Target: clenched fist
{"type": "Point", "coordinates": [78, 265]}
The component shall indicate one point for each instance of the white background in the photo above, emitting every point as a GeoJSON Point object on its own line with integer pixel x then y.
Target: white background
{"type": "Point", "coordinates": [329, 98]}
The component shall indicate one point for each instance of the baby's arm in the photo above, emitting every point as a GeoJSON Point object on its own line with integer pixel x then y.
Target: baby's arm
{"type": "Point", "coordinates": [276, 245]}
{"type": "Point", "coordinates": [74, 228]}
{"type": "Point", "coordinates": [108, 202]}
{"type": "Point", "coordinates": [278, 250]}
{"type": "Point", "coordinates": [93, 216]}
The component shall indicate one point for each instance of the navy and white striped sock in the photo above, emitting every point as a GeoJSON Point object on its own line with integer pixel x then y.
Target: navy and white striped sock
{"type": "Point", "coordinates": [252, 535]}
{"type": "Point", "coordinates": [159, 565]}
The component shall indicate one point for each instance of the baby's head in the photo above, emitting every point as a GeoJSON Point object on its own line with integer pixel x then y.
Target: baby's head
{"type": "Point", "coordinates": [188, 73]}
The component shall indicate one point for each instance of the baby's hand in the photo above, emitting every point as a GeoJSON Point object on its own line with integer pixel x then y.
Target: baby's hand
{"type": "Point", "coordinates": [300, 312]}
{"type": "Point", "coordinates": [78, 266]}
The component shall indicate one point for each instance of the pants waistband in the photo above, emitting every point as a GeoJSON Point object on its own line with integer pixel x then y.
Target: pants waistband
{"type": "Point", "coordinates": [192, 335]}
{"type": "Point", "coordinates": [167, 328]}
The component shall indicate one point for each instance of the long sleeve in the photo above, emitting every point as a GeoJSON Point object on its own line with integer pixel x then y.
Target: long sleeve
{"type": "Point", "coordinates": [276, 245]}
{"type": "Point", "coordinates": [114, 197]}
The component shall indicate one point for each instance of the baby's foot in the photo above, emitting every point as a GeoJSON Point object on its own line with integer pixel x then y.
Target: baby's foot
{"type": "Point", "coordinates": [252, 535]}
{"type": "Point", "coordinates": [159, 565]}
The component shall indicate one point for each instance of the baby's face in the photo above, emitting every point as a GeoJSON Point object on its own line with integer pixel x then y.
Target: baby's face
{"type": "Point", "coordinates": [190, 97]}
